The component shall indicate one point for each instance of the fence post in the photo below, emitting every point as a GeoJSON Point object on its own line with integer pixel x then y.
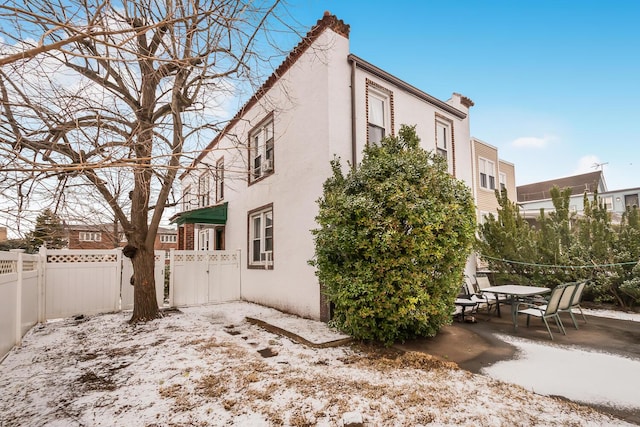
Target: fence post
{"type": "Point", "coordinates": [42, 285]}
{"type": "Point", "coordinates": [117, 287]}
{"type": "Point", "coordinates": [239, 265]}
{"type": "Point", "coordinates": [19, 266]}
{"type": "Point", "coordinates": [172, 269]}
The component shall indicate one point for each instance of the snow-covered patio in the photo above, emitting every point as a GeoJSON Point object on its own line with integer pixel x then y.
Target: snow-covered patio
{"type": "Point", "coordinates": [209, 366]}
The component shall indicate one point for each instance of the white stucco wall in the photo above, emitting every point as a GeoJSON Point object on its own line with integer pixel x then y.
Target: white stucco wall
{"type": "Point", "coordinates": [311, 104]}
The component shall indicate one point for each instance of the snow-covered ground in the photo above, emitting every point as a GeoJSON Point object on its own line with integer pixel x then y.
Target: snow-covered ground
{"type": "Point", "coordinates": [208, 366]}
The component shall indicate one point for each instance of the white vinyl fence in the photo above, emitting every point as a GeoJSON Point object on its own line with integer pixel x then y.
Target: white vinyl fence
{"type": "Point", "coordinates": [20, 284]}
{"type": "Point", "coordinates": [202, 277]}
{"type": "Point", "coordinates": [92, 281]}
{"type": "Point", "coordinates": [62, 283]}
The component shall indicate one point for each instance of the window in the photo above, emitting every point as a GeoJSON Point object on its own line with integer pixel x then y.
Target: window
{"type": "Point", "coordinates": [631, 200]}
{"type": "Point", "coordinates": [168, 238]}
{"type": "Point", "coordinates": [261, 158]}
{"type": "Point", "coordinates": [261, 238]}
{"type": "Point", "coordinates": [487, 174]}
{"type": "Point", "coordinates": [379, 112]}
{"type": "Point", "coordinates": [220, 180]}
{"type": "Point", "coordinates": [503, 181]}
{"type": "Point", "coordinates": [186, 199]}
{"type": "Point", "coordinates": [607, 202]}
{"type": "Point", "coordinates": [203, 190]}
{"type": "Point", "coordinates": [204, 239]}
{"type": "Point", "coordinates": [376, 119]}
{"type": "Point", "coordinates": [442, 139]}
{"type": "Point", "coordinates": [90, 236]}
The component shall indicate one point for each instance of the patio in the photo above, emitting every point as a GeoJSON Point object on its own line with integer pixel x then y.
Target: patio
{"type": "Point", "coordinates": [483, 347]}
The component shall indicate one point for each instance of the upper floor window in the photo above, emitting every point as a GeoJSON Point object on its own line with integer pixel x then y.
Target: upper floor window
{"type": "Point", "coordinates": [168, 238]}
{"type": "Point", "coordinates": [376, 122]}
{"type": "Point", "coordinates": [487, 174]}
{"type": "Point", "coordinates": [203, 190]}
{"type": "Point", "coordinates": [261, 153]}
{"type": "Point", "coordinates": [220, 180]}
{"type": "Point", "coordinates": [503, 181]}
{"type": "Point", "coordinates": [90, 236]}
{"type": "Point", "coordinates": [443, 136]}
{"type": "Point", "coordinates": [186, 199]}
{"type": "Point", "coordinates": [261, 237]}
{"type": "Point", "coordinates": [379, 112]}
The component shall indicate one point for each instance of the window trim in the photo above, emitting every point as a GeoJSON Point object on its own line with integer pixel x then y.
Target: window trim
{"type": "Point", "coordinates": [94, 236]}
{"type": "Point", "coordinates": [186, 199]}
{"type": "Point", "coordinates": [204, 189]}
{"type": "Point", "coordinates": [489, 184]}
{"type": "Point", "coordinates": [269, 263]}
{"type": "Point", "coordinates": [219, 180]}
{"type": "Point", "coordinates": [502, 183]}
{"type": "Point", "coordinates": [451, 148]}
{"type": "Point", "coordinates": [255, 131]}
{"type": "Point", "coordinates": [375, 90]}
{"type": "Point", "coordinates": [168, 238]}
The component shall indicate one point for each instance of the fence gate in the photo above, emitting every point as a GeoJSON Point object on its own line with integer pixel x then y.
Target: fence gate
{"type": "Point", "coordinates": [201, 277]}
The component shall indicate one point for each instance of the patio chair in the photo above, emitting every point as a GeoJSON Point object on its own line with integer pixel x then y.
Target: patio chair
{"type": "Point", "coordinates": [549, 311]}
{"type": "Point", "coordinates": [576, 297]}
{"type": "Point", "coordinates": [466, 300]}
{"type": "Point", "coordinates": [491, 300]}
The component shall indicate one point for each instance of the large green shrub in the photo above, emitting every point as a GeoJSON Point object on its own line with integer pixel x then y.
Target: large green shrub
{"type": "Point", "coordinates": [393, 238]}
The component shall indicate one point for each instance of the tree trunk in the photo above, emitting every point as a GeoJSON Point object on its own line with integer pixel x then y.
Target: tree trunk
{"type": "Point", "coordinates": [145, 305]}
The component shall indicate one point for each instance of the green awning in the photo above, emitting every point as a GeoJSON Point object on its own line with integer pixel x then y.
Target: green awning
{"type": "Point", "coordinates": [213, 215]}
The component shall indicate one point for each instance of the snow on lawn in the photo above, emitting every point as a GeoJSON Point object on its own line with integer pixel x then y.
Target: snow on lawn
{"type": "Point", "coordinates": [583, 376]}
{"type": "Point", "coordinates": [209, 366]}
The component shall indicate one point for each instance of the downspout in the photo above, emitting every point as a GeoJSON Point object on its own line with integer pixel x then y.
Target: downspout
{"type": "Point", "coordinates": [353, 113]}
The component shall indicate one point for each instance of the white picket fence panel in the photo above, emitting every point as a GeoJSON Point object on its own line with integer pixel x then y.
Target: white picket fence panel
{"type": "Point", "coordinates": [82, 282]}
{"type": "Point", "coordinates": [20, 282]}
{"type": "Point", "coordinates": [202, 277]}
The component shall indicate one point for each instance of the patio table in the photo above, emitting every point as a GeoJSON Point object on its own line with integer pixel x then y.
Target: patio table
{"type": "Point", "coordinates": [514, 292]}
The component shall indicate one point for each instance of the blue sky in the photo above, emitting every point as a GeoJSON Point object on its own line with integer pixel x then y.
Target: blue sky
{"type": "Point", "coordinates": [556, 84]}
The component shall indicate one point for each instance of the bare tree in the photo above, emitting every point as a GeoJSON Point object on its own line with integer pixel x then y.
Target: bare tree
{"type": "Point", "coordinates": [89, 87]}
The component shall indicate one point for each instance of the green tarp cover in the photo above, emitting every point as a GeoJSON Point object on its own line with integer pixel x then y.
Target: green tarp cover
{"type": "Point", "coordinates": [212, 215]}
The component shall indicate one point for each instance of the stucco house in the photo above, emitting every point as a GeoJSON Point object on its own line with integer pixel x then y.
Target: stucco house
{"type": "Point", "coordinates": [255, 186]}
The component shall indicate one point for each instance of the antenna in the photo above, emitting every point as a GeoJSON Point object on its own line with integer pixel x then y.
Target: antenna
{"type": "Point", "coordinates": [599, 165]}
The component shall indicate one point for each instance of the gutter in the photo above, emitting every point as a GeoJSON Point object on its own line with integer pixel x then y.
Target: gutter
{"type": "Point", "coordinates": [361, 63]}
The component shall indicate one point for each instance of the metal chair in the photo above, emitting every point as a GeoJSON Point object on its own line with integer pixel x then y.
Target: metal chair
{"type": "Point", "coordinates": [482, 282]}
{"type": "Point", "coordinates": [550, 310]}
{"type": "Point", "coordinates": [576, 297]}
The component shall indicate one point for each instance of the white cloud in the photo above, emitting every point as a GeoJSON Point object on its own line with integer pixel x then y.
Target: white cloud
{"type": "Point", "coordinates": [533, 141]}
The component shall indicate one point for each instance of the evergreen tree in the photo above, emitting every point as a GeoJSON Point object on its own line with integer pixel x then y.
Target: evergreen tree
{"type": "Point", "coordinates": [48, 231]}
{"type": "Point", "coordinates": [394, 236]}
{"type": "Point", "coordinates": [505, 238]}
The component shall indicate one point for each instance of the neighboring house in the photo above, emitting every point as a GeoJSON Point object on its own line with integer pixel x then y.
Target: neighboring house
{"type": "Point", "coordinates": [536, 196]}
{"type": "Point", "coordinates": [490, 174]}
{"type": "Point", "coordinates": [256, 184]}
{"type": "Point", "coordinates": [3, 234]}
{"type": "Point", "coordinates": [102, 236]}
